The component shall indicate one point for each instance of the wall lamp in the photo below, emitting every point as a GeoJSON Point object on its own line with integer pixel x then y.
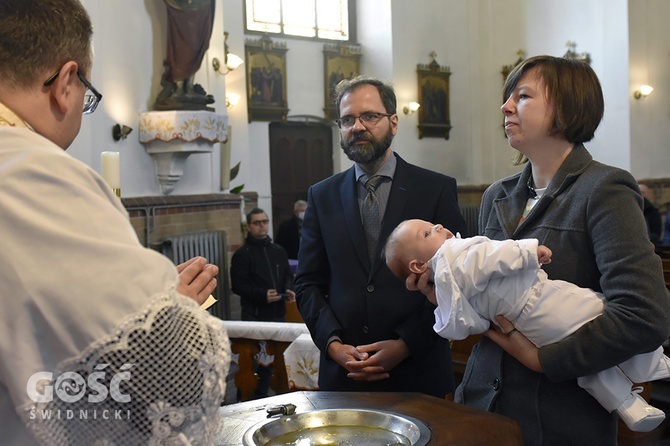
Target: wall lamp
{"type": "Point", "coordinates": [643, 92]}
{"type": "Point", "coordinates": [232, 99]}
{"type": "Point", "coordinates": [120, 132]}
{"type": "Point", "coordinates": [231, 60]}
{"type": "Point", "coordinates": [411, 108]}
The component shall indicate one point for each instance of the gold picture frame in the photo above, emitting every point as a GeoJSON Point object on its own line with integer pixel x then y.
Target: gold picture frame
{"type": "Point", "coordinates": [340, 61]}
{"type": "Point", "coordinates": [266, 79]}
{"type": "Point", "coordinates": [434, 114]}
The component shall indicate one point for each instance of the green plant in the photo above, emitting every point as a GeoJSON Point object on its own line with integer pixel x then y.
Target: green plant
{"type": "Point", "coordinates": [233, 173]}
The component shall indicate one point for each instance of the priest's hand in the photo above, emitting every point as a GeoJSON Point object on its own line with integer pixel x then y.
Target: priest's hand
{"type": "Point", "coordinates": [197, 279]}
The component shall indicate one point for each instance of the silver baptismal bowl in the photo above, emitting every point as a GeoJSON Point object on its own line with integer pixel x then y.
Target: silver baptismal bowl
{"type": "Point", "coordinates": [341, 427]}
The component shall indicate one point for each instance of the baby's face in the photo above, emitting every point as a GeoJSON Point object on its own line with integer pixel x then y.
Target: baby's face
{"type": "Point", "coordinates": [423, 238]}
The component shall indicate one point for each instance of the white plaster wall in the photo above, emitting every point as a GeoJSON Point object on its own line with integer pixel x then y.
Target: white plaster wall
{"type": "Point", "coordinates": [498, 38]}
{"type": "Point", "coordinates": [650, 64]}
{"type": "Point", "coordinates": [474, 38]}
{"type": "Point", "coordinates": [375, 35]}
{"type": "Point", "coordinates": [612, 144]}
{"type": "Point", "coordinates": [235, 83]}
{"type": "Point", "coordinates": [598, 28]}
{"type": "Point", "coordinates": [129, 45]}
{"type": "Point", "coordinates": [544, 27]}
{"type": "Point", "coordinates": [442, 28]}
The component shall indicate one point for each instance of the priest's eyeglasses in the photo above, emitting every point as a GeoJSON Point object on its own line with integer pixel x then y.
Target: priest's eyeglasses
{"type": "Point", "coordinates": [367, 119]}
{"type": "Point", "coordinates": [92, 98]}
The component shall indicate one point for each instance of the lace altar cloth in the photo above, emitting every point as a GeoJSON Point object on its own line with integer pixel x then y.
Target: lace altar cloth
{"type": "Point", "coordinates": [158, 380]}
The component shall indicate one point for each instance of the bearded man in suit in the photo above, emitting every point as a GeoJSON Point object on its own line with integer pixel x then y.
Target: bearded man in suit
{"type": "Point", "coordinates": [373, 334]}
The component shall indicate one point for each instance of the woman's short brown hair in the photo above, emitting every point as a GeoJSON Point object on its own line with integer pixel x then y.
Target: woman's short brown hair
{"type": "Point", "coordinates": [574, 91]}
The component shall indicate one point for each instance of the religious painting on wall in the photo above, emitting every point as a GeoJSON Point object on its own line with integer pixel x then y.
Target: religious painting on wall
{"type": "Point", "coordinates": [266, 80]}
{"type": "Point", "coordinates": [341, 62]}
{"type": "Point", "coordinates": [434, 115]}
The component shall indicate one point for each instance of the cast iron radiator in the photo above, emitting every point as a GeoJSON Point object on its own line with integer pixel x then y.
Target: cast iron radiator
{"type": "Point", "coordinates": [470, 213]}
{"type": "Point", "coordinates": [212, 246]}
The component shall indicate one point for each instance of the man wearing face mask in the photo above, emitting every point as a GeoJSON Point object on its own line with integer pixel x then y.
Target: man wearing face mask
{"type": "Point", "coordinates": [288, 234]}
{"type": "Point", "coordinates": [373, 334]}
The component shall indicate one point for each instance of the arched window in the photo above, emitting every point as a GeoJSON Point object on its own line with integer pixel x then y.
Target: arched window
{"type": "Point", "coordinates": [315, 19]}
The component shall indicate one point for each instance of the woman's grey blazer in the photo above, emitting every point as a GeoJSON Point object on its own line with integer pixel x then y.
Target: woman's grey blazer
{"type": "Point", "coordinates": [591, 217]}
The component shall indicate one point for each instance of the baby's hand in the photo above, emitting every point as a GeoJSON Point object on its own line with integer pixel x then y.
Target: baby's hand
{"type": "Point", "coordinates": [543, 255]}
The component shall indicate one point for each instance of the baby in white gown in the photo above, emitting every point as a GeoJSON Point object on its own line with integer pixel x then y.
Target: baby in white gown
{"type": "Point", "coordinates": [477, 279]}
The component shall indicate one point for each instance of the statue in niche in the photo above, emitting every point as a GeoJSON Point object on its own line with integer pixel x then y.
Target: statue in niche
{"type": "Point", "coordinates": [189, 30]}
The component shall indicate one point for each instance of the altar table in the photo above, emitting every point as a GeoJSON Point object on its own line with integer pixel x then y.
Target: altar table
{"type": "Point", "coordinates": [450, 423]}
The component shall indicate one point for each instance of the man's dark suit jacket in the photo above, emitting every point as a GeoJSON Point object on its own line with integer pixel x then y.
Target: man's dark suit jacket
{"type": "Point", "coordinates": [340, 294]}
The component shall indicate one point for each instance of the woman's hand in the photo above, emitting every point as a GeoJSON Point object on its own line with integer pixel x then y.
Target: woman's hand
{"type": "Point", "coordinates": [196, 279]}
{"type": "Point", "coordinates": [422, 283]}
{"type": "Point", "coordinates": [543, 255]}
{"type": "Point", "coordinates": [515, 343]}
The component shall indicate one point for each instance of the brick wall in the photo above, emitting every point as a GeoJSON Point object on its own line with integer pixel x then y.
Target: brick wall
{"type": "Point", "coordinates": [159, 217]}
{"type": "Point", "coordinates": [156, 218]}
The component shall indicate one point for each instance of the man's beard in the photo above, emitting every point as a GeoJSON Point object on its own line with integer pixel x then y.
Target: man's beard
{"type": "Point", "coordinates": [373, 150]}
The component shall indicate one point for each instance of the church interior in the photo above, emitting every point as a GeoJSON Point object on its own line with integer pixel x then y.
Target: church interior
{"type": "Point", "coordinates": [208, 183]}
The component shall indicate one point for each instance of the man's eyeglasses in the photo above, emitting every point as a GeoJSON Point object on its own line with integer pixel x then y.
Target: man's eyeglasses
{"type": "Point", "coordinates": [367, 119]}
{"type": "Point", "coordinates": [260, 222]}
{"type": "Point", "coordinates": [92, 98]}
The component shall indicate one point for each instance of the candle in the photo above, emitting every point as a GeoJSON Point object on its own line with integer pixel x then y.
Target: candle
{"type": "Point", "coordinates": [111, 171]}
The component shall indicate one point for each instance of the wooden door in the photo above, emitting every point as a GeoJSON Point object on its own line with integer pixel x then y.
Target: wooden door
{"type": "Point", "coordinates": [301, 154]}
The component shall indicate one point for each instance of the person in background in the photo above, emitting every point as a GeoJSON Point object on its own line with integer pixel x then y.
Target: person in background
{"type": "Point", "coordinates": [288, 234]}
{"type": "Point", "coordinates": [260, 274]}
{"type": "Point", "coordinates": [102, 341]}
{"type": "Point", "coordinates": [372, 335]}
{"type": "Point", "coordinates": [478, 279]}
{"type": "Point", "coordinates": [592, 214]}
{"type": "Point", "coordinates": [651, 215]}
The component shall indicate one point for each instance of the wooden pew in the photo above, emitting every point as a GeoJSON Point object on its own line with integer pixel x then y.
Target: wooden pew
{"type": "Point", "coordinates": [246, 380]}
{"type": "Point", "coordinates": [244, 337]}
{"type": "Point", "coordinates": [292, 313]}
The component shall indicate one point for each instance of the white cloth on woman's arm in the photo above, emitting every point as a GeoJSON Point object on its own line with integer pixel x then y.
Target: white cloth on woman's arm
{"type": "Point", "coordinates": [79, 291]}
{"type": "Point", "coordinates": [468, 271]}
